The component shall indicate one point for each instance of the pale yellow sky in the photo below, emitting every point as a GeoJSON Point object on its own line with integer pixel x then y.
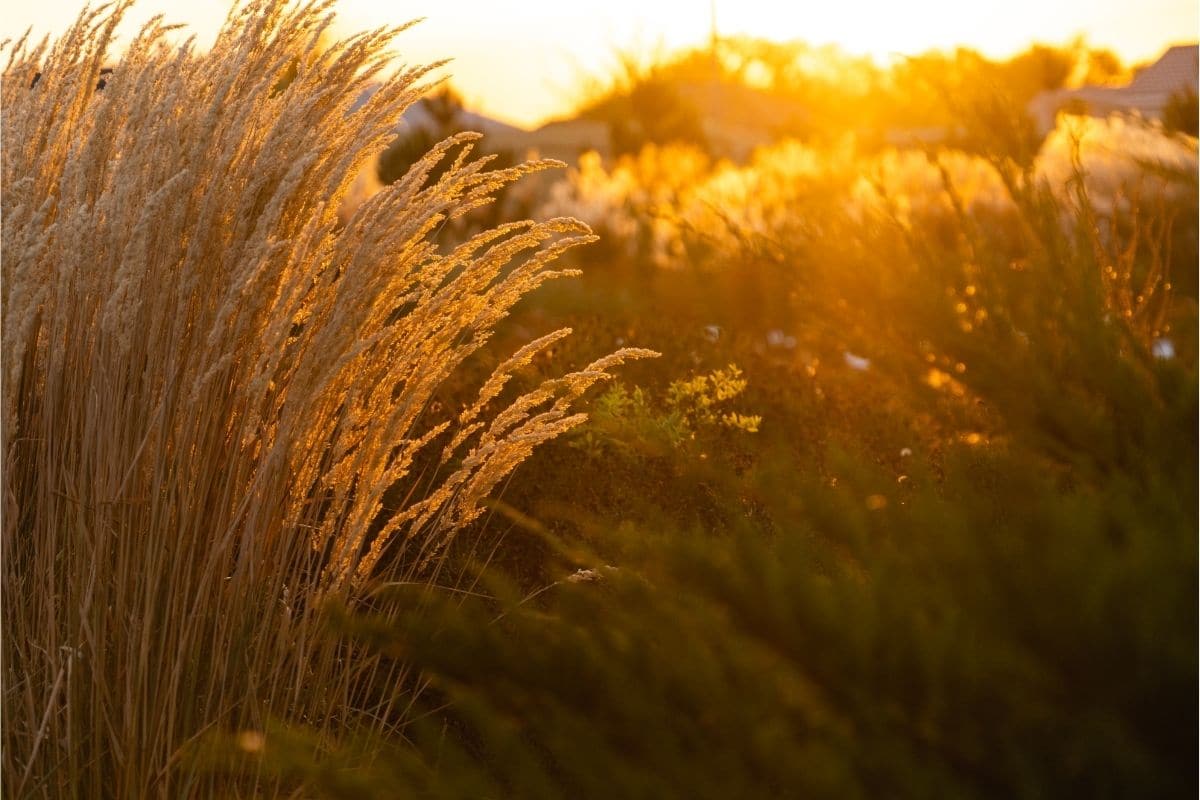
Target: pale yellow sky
{"type": "Point", "coordinates": [522, 61]}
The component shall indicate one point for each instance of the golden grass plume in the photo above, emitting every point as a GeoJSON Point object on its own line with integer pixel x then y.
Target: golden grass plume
{"type": "Point", "coordinates": [209, 383]}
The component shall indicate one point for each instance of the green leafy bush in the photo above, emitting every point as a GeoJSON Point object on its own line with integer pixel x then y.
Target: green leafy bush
{"type": "Point", "coordinates": [984, 635]}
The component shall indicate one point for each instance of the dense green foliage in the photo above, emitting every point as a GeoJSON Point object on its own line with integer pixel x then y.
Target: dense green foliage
{"type": "Point", "coordinates": [988, 635]}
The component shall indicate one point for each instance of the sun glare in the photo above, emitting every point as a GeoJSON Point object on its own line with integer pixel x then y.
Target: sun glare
{"type": "Point", "coordinates": [525, 63]}
{"type": "Point", "coordinates": [532, 60]}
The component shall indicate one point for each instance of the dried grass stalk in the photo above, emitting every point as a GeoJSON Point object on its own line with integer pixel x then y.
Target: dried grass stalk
{"type": "Point", "coordinates": [209, 384]}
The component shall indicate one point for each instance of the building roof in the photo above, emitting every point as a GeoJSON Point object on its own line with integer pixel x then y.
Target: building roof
{"type": "Point", "coordinates": [1176, 69]}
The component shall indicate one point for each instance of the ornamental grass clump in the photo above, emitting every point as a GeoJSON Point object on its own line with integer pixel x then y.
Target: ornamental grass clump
{"type": "Point", "coordinates": [210, 383]}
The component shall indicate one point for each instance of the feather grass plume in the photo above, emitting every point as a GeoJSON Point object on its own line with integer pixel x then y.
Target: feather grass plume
{"type": "Point", "coordinates": [209, 383]}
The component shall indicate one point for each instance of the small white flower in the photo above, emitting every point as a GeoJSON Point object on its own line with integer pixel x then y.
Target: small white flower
{"type": "Point", "coordinates": [1163, 349]}
{"type": "Point", "coordinates": [778, 338]}
{"type": "Point", "coordinates": [857, 362]}
{"type": "Point", "coordinates": [583, 576]}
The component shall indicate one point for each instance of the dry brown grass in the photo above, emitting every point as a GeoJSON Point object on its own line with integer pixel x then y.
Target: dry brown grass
{"type": "Point", "coordinates": [209, 384]}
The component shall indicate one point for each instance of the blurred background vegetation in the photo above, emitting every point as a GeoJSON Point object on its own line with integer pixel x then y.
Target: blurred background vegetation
{"type": "Point", "coordinates": [907, 508]}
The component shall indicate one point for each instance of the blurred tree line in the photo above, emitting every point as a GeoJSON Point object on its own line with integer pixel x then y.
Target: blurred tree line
{"type": "Point", "coordinates": [820, 94]}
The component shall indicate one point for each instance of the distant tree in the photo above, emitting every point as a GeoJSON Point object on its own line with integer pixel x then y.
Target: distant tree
{"type": "Point", "coordinates": [1100, 67]}
{"type": "Point", "coordinates": [1041, 68]}
{"type": "Point", "coordinates": [656, 114]}
{"type": "Point", "coordinates": [445, 117]}
{"type": "Point", "coordinates": [642, 104]}
{"type": "Point", "coordinates": [1182, 113]}
{"type": "Point", "coordinates": [445, 110]}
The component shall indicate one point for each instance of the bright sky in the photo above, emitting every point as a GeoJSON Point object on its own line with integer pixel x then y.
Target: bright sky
{"type": "Point", "coordinates": [523, 61]}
